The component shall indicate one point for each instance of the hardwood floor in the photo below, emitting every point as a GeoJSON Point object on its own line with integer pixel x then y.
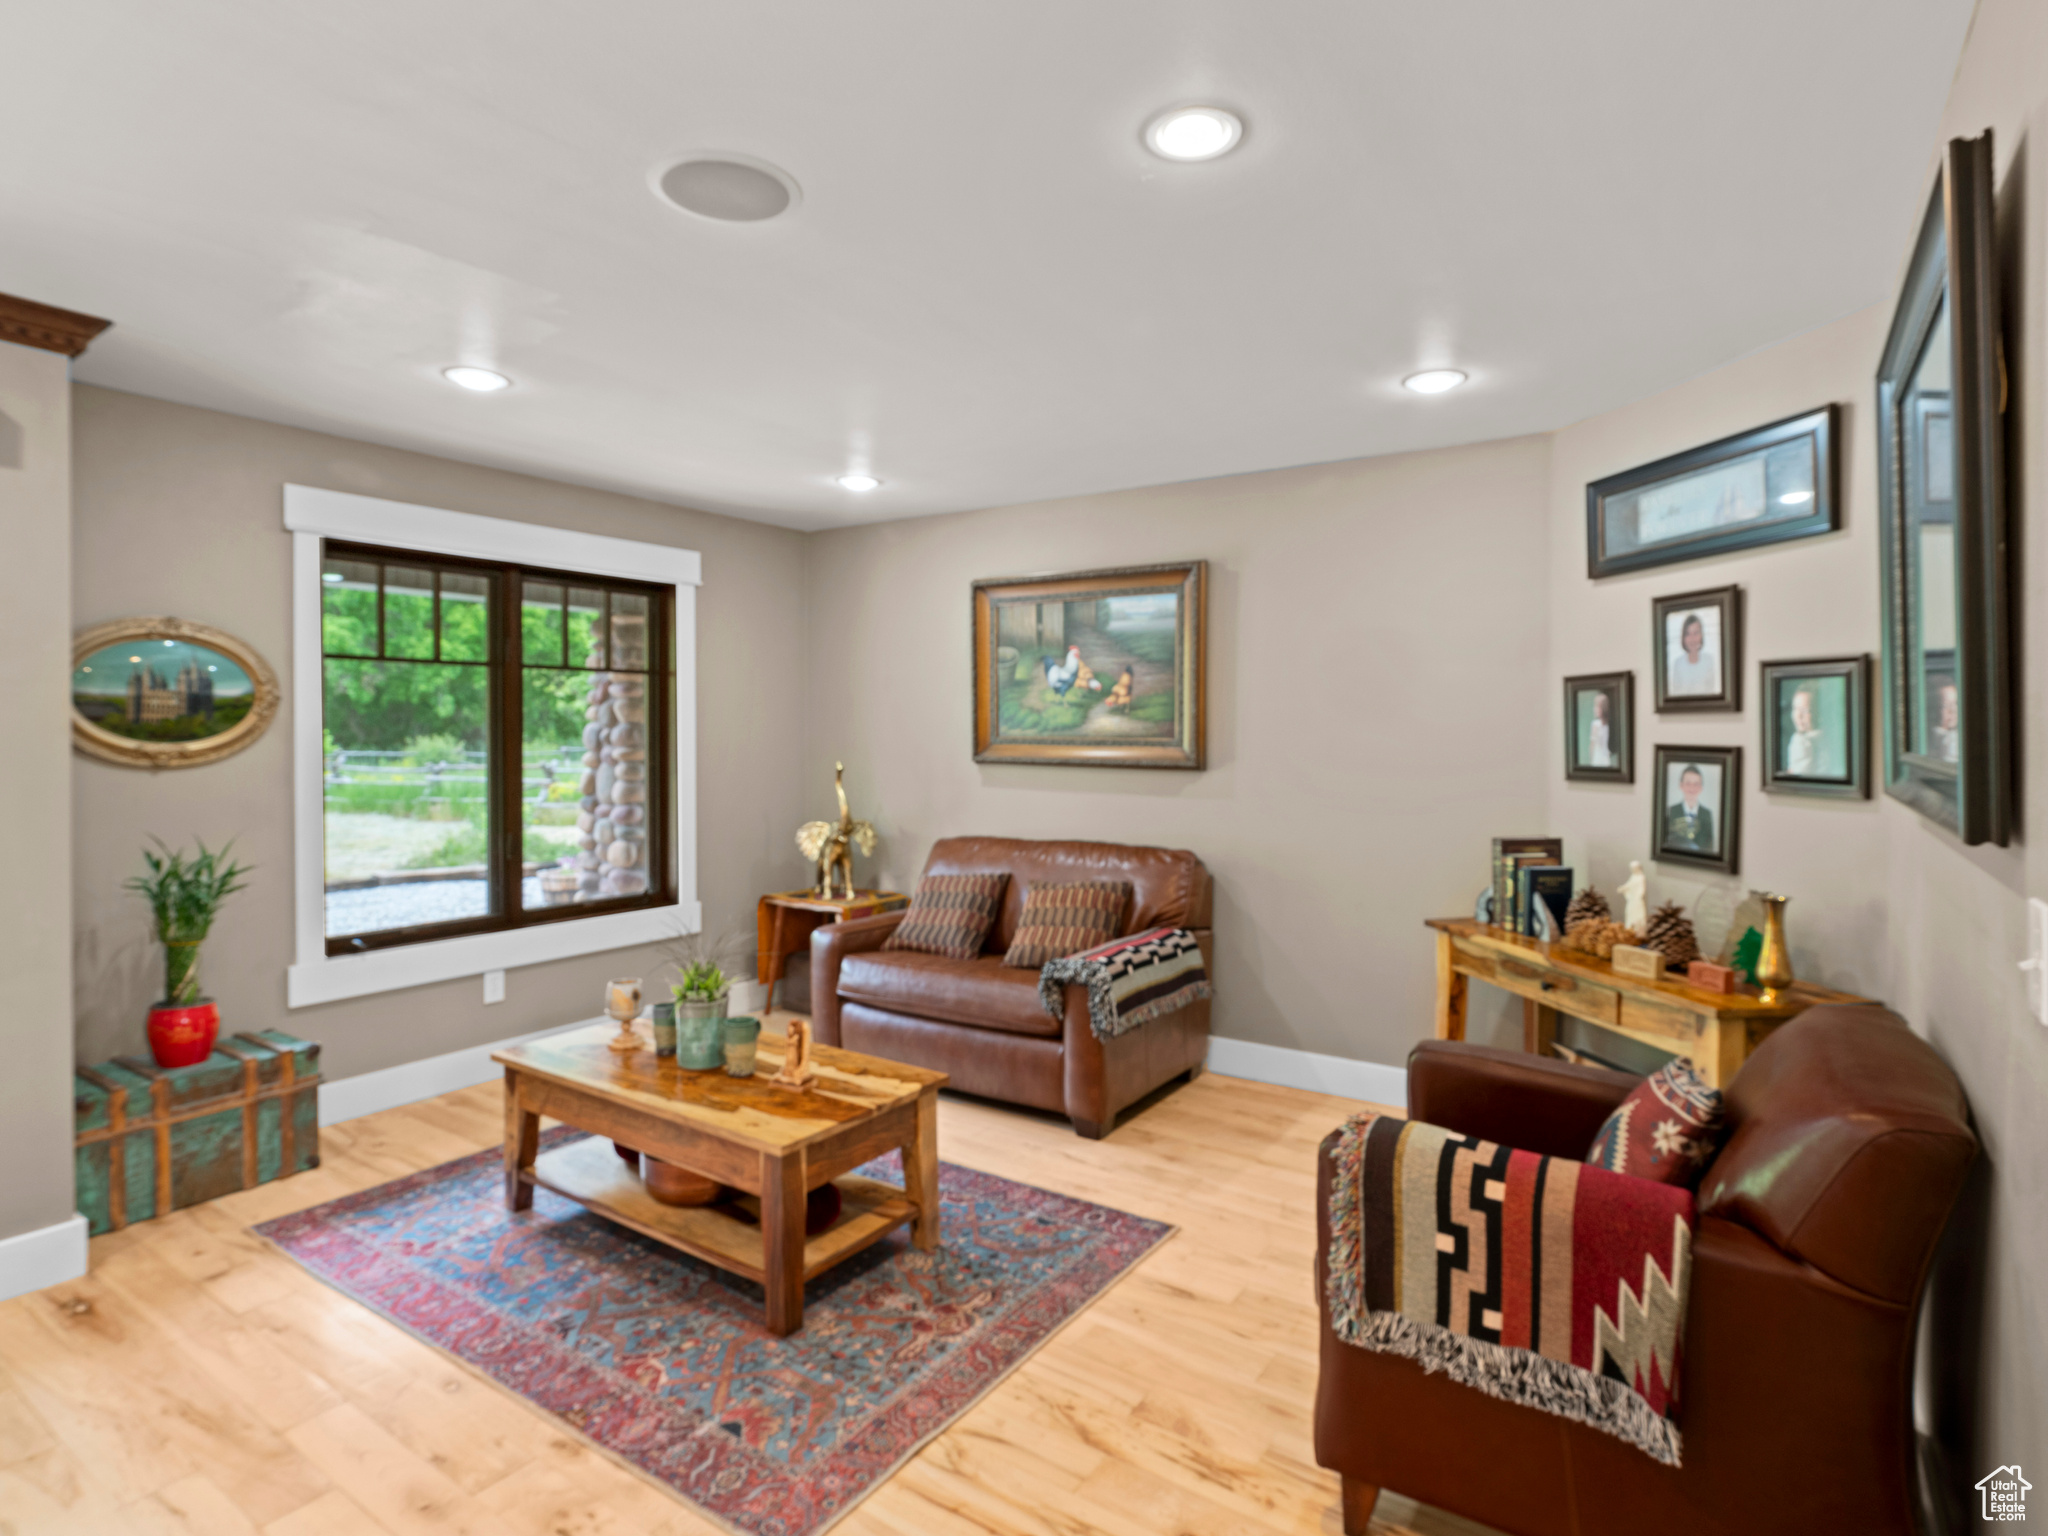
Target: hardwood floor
{"type": "Point", "coordinates": [198, 1383]}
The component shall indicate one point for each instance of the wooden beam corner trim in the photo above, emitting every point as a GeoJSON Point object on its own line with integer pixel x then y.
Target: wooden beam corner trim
{"type": "Point", "coordinates": [29, 324]}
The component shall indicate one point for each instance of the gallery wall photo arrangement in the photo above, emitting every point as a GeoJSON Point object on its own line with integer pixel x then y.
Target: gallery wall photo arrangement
{"type": "Point", "coordinates": [167, 693]}
{"type": "Point", "coordinates": [1600, 728]}
{"type": "Point", "coordinates": [1948, 726]}
{"type": "Point", "coordinates": [1816, 730]}
{"type": "Point", "coordinates": [1763, 486]}
{"type": "Point", "coordinates": [1696, 802]}
{"type": "Point", "coordinates": [1696, 646]}
{"type": "Point", "coordinates": [1097, 668]}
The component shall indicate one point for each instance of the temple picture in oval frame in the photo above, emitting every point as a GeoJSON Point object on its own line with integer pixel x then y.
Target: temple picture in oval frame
{"type": "Point", "coordinates": [167, 693]}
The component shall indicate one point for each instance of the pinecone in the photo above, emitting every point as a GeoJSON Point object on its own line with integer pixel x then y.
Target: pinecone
{"type": "Point", "coordinates": [1586, 906]}
{"type": "Point", "coordinates": [1598, 936]}
{"type": "Point", "coordinates": [1670, 930]}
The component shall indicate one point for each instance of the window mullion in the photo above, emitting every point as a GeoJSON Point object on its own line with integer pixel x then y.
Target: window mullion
{"type": "Point", "coordinates": [507, 840]}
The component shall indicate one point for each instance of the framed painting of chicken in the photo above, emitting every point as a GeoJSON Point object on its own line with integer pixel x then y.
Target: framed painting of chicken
{"type": "Point", "coordinates": [1097, 669]}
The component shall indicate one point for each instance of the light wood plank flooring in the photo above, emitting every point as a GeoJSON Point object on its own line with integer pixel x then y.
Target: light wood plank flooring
{"type": "Point", "coordinates": [198, 1383]}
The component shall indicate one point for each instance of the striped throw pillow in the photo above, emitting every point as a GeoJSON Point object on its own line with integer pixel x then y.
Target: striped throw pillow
{"type": "Point", "coordinates": [1062, 920]}
{"type": "Point", "coordinates": [950, 915]}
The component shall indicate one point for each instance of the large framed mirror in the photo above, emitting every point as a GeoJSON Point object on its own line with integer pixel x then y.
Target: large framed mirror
{"type": "Point", "coordinates": [1941, 490]}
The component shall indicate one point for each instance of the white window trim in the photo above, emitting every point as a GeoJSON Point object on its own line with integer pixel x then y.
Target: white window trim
{"type": "Point", "coordinates": [312, 515]}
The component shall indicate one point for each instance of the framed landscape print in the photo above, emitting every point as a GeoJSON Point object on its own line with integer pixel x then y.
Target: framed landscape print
{"type": "Point", "coordinates": [1100, 668]}
{"type": "Point", "coordinates": [1696, 639]}
{"type": "Point", "coordinates": [164, 693]}
{"type": "Point", "coordinates": [1948, 727]}
{"type": "Point", "coordinates": [1697, 807]}
{"type": "Point", "coordinates": [1815, 727]}
{"type": "Point", "coordinates": [1600, 728]}
{"type": "Point", "coordinates": [1758, 487]}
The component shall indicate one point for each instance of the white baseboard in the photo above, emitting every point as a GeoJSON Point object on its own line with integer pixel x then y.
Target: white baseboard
{"type": "Point", "coordinates": [747, 998]}
{"type": "Point", "coordinates": [1339, 1075]}
{"type": "Point", "coordinates": [368, 1092]}
{"type": "Point", "coordinates": [44, 1257]}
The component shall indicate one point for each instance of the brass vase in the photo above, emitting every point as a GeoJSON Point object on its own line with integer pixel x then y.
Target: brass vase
{"type": "Point", "coordinates": [1773, 960]}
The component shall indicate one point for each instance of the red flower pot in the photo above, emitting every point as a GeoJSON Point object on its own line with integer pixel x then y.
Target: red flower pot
{"type": "Point", "coordinates": [183, 1037]}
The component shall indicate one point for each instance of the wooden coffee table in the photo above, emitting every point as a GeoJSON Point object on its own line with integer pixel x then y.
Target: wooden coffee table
{"type": "Point", "coordinates": [774, 1144]}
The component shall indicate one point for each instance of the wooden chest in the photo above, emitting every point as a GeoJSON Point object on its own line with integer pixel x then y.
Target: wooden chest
{"type": "Point", "coordinates": [154, 1139]}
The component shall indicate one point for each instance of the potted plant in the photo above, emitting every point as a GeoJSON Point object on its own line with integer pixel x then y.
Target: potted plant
{"type": "Point", "coordinates": [184, 896]}
{"type": "Point", "coordinates": [701, 991]}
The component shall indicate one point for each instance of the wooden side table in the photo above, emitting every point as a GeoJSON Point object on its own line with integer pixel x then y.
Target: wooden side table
{"type": "Point", "coordinates": [785, 920]}
{"type": "Point", "coordinates": [1717, 1030]}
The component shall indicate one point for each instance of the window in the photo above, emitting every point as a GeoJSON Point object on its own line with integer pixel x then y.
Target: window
{"type": "Point", "coordinates": [493, 739]}
{"type": "Point", "coordinates": [493, 742]}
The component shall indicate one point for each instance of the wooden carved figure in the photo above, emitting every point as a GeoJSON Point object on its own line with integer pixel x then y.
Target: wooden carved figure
{"type": "Point", "coordinates": [797, 1070]}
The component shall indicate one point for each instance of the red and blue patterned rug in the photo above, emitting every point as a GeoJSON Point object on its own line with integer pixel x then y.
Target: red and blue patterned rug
{"type": "Point", "coordinates": [663, 1361]}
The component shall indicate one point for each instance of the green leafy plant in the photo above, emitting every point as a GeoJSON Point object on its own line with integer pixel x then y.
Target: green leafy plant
{"type": "Point", "coordinates": [699, 960]}
{"type": "Point", "coordinates": [184, 895]}
{"type": "Point", "coordinates": [701, 982]}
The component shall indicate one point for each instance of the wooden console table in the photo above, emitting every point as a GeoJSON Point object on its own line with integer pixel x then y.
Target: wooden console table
{"type": "Point", "coordinates": [1717, 1030]}
{"type": "Point", "coordinates": [785, 920]}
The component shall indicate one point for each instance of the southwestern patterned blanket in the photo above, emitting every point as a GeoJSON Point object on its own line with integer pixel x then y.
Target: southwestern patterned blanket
{"type": "Point", "coordinates": [1538, 1280]}
{"type": "Point", "coordinates": [1130, 980]}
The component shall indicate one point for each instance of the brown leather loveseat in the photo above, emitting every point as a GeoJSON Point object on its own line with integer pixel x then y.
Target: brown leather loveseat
{"type": "Point", "coordinates": [1848, 1144]}
{"type": "Point", "coordinates": [981, 1021]}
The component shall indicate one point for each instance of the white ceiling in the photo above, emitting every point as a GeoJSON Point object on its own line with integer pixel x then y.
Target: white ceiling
{"type": "Point", "coordinates": [989, 292]}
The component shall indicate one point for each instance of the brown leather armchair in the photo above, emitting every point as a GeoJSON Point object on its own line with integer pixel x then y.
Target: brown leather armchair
{"type": "Point", "coordinates": [1849, 1141]}
{"type": "Point", "coordinates": [981, 1022]}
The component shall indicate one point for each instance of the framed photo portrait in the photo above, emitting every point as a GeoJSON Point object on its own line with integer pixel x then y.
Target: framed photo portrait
{"type": "Point", "coordinates": [1942, 518]}
{"type": "Point", "coordinates": [1762, 486]}
{"type": "Point", "coordinates": [1600, 728]}
{"type": "Point", "coordinates": [1100, 668]}
{"type": "Point", "coordinates": [1697, 807]}
{"type": "Point", "coordinates": [1816, 727]}
{"type": "Point", "coordinates": [1696, 638]}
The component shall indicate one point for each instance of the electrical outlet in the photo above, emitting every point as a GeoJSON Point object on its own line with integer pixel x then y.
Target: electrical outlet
{"type": "Point", "coordinates": [2036, 963]}
{"type": "Point", "coordinates": [494, 986]}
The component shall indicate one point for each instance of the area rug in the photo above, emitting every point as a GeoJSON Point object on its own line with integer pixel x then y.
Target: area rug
{"type": "Point", "coordinates": [663, 1361]}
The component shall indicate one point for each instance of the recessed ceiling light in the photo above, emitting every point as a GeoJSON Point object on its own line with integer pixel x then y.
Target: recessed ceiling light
{"type": "Point", "coordinates": [1433, 381]}
{"type": "Point", "coordinates": [730, 188]}
{"type": "Point", "coordinates": [1193, 133]}
{"type": "Point", "coordinates": [1796, 498]}
{"type": "Point", "coordinates": [858, 483]}
{"type": "Point", "coordinates": [482, 380]}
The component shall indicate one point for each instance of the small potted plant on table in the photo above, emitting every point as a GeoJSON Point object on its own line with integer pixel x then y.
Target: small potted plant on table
{"type": "Point", "coordinates": [184, 896]}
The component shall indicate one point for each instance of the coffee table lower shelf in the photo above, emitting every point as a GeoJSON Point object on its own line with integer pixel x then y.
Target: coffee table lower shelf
{"type": "Point", "coordinates": [590, 1173]}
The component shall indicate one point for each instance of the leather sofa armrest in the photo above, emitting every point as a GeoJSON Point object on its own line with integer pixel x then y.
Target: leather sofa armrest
{"type": "Point", "coordinates": [831, 944]}
{"type": "Point", "coordinates": [1536, 1104]}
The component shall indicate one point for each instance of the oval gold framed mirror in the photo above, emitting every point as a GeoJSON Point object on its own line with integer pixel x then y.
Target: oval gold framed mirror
{"type": "Point", "coordinates": [166, 693]}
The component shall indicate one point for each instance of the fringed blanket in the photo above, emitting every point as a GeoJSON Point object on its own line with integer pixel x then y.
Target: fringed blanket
{"type": "Point", "coordinates": [1130, 981]}
{"type": "Point", "coordinates": [1538, 1280]}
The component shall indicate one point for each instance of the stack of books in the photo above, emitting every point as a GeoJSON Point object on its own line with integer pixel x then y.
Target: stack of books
{"type": "Point", "coordinates": [1531, 886]}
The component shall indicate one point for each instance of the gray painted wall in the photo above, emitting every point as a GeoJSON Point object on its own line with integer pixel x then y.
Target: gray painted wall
{"type": "Point", "coordinates": [1377, 697]}
{"type": "Point", "coordinates": [1884, 901]}
{"type": "Point", "coordinates": [179, 511]}
{"type": "Point", "coordinates": [35, 931]}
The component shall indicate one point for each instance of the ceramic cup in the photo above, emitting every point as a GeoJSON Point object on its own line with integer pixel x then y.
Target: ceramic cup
{"type": "Point", "coordinates": [742, 1039]}
{"type": "Point", "coordinates": [664, 1029]}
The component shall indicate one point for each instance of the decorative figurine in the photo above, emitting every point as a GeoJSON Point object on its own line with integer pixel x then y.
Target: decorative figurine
{"type": "Point", "coordinates": [827, 842]}
{"type": "Point", "coordinates": [1635, 897]}
{"type": "Point", "coordinates": [797, 1070]}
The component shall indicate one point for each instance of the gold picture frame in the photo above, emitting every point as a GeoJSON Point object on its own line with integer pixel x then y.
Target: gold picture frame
{"type": "Point", "coordinates": [189, 643]}
{"type": "Point", "coordinates": [1100, 669]}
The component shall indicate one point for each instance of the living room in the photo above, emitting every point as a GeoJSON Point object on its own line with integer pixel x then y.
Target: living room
{"type": "Point", "coordinates": [1189, 381]}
